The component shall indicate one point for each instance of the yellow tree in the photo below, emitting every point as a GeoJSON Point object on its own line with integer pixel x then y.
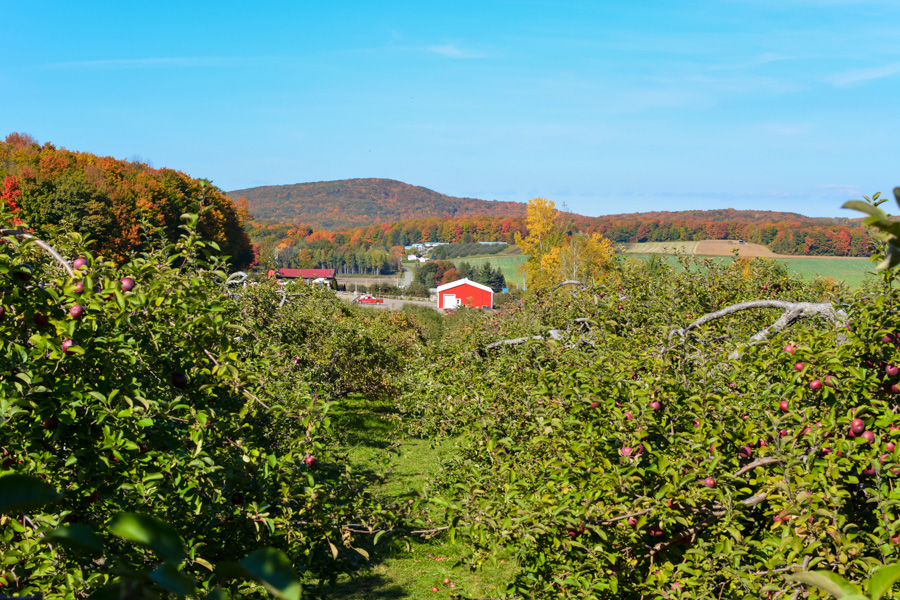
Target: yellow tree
{"type": "Point", "coordinates": [584, 258]}
{"type": "Point", "coordinates": [543, 236]}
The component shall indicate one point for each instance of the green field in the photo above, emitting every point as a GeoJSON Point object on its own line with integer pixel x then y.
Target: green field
{"type": "Point", "coordinates": [851, 271]}
{"type": "Point", "coordinates": [508, 264]}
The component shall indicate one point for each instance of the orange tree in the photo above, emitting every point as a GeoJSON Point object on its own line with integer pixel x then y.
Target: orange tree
{"type": "Point", "coordinates": [137, 389]}
{"type": "Point", "coordinates": [624, 443]}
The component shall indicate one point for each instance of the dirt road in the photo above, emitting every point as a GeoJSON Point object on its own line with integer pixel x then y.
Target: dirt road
{"type": "Point", "coordinates": [389, 303]}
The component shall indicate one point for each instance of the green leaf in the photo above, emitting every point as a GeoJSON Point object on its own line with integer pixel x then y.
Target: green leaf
{"type": "Point", "coordinates": [19, 493]}
{"type": "Point", "coordinates": [334, 550]}
{"type": "Point", "coordinates": [80, 538]}
{"type": "Point", "coordinates": [148, 531]}
{"type": "Point", "coordinates": [826, 581]}
{"type": "Point", "coordinates": [882, 580]}
{"type": "Point", "coordinates": [168, 577]}
{"type": "Point", "coordinates": [864, 207]}
{"type": "Point", "coordinates": [218, 594]}
{"type": "Point", "coordinates": [270, 567]}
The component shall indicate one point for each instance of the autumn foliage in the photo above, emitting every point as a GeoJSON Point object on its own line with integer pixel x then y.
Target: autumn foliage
{"type": "Point", "coordinates": [115, 202]}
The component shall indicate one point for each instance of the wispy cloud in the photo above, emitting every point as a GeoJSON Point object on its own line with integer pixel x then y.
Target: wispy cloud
{"type": "Point", "coordinates": [148, 63]}
{"type": "Point", "coordinates": [858, 76]}
{"type": "Point", "coordinates": [454, 51]}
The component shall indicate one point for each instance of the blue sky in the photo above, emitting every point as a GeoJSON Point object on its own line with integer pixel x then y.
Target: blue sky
{"type": "Point", "coordinates": [606, 106]}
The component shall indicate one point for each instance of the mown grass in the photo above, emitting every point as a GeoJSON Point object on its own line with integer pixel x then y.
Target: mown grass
{"type": "Point", "coordinates": [372, 437]}
{"type": "Point", "coordinates": [852, 271]}
{"type": "Point", "coordinates": [508, 264]}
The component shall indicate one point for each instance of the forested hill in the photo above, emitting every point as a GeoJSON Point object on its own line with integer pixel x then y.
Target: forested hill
{"type": "Point", "coordinates": [349, 203]}
{"type": "Point", "coordinates": [111, 200]}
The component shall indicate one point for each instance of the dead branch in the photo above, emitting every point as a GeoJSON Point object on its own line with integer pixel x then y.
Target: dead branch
{"type": "Point", "coordinates": [759, 462]}
{"type": "Point", "coordinates": [41, 243]}
{"type": "Point", "coordinates": [793, 312]}
{"type": "Point", "coordinates": [553, 334]}
{"type": "Point", "coordinates": [567, 282]}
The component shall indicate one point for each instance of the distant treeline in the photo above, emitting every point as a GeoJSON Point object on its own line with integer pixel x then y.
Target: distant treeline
{"type": "Point", "coordinates": [379, 248]}
{"type": "Point", "coordinates": [783, 233]}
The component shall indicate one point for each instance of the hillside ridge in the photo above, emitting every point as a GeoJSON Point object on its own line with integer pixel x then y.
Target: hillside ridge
{"type": "Point", "coordinates": [347, 203]}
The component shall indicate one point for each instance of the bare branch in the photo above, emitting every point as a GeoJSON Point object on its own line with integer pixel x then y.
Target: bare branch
{"type": "Point", "coordinates": [567, 282]}
{"type": "Point", "coordinates": [553, 334]}
{"type": "Point", "coordinates": [760, 462]}
{"type": "Point", "coordinates": [793, 312]}
{"type": "Point", "coordinates": [56, 256]}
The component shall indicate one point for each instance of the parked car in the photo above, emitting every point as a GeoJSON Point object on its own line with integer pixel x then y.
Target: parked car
{"type": "Point", "coordinates": [369, 299]}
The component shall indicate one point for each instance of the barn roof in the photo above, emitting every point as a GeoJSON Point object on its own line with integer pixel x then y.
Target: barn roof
{"type": "Point", "coordinates": [459, 282]}
{"type": "Point", "coordinates": [304, 273]}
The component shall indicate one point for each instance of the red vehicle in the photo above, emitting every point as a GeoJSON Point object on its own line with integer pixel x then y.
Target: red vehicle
{"type": "Point", "coordinates": [369, 299]}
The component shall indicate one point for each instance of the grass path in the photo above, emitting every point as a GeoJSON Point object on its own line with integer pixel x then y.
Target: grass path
{"type": "Point", "coordinates": [371, 435]}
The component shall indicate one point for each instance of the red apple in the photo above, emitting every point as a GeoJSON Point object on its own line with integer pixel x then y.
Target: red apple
{"type": "Point", "coordinates": [815, 385]}
{"type": "Point", "coordinates": [799, 366]}
{"type": "Point", "coordinates": [595, 404]}
{"type": "Point", "coordinates": [869, 436]}
{"type": "Point", "coordinates": [68, 344]}
{"type": "Point", "coordinates": [127, 284]}
{"type": "Point", "coordinates": [709, 482]}
{"type": "Point", "coordinates": [890, 446]}
{"type": "Point", "coordinates": [784, 405]}
{"type": "Point", "coordinates": [628, 416]}
{"type": "Point", "coordinates": [626, 451]}
{"type": "Point", "coordinates": [79, 287]}
{"type": "Point", "coordinates": [310, 461]}
{"type": "Point", "coordinates": [789, 349]}
{"type": "Point", "coordinates": [745, 451]}
{"type": "Point", "coordinates": [632, 521]}
{"type": "Point", "coordinates": [829, 381]}
{"type": "Point", "coordinates": [179, 380]}
{"type": "Point", "coordinates": [857, 426]}
{"type": "Point", "coordinates": [869, 471]}
{"type": "Point", "coordinates": [77, 311]}
{"type": "Point", "coordinates": [655, 406]}
{"type": "Point", "coordinates": [80, 264]}
{"type": "Point", "coordinates": [892, 371]}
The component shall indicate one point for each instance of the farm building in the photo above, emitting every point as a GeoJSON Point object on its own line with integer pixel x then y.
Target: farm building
{"type": "Point", "coordinates": [325, 276]}
{"type": "Point", "coordinates": [464, 292]}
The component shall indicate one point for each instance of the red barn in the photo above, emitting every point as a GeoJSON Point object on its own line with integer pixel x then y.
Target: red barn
{"type": "Point", "coordinates": [307, 275]}
{"type": "Point", "coordinates": [463, 292]}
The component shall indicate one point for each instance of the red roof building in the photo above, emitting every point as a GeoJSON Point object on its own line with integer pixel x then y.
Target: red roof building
{"type": "Point", "coordinates": [307, 275]}
{"type": "Point", "coordinates": [464, 292]}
